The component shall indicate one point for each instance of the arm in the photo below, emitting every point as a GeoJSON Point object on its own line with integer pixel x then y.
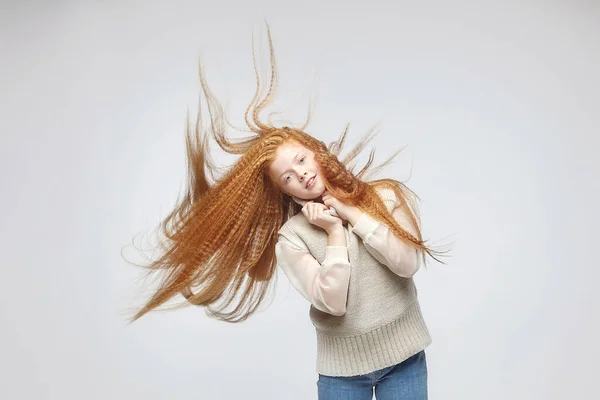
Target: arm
{"type": "Point", "coordinates": [325, 285]}
{"type": "Point", "coordinates": [386, 247]}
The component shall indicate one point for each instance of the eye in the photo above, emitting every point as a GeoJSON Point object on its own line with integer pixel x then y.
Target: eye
{"type": "Point", "coordinates": [286, 178]}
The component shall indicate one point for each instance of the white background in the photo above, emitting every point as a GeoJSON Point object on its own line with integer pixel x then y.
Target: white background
{"type": "Point", "coordinates": [497, 102]}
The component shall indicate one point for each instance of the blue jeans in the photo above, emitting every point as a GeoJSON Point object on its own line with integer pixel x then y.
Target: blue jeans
{"type": "Point", "coordinates": [404, 381]}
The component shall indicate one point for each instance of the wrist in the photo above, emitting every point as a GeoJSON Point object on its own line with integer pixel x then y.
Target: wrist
{"type": "Point", "coordinates": [335, 230]}
{"type": "Point", "coordinates": [336, 237]}
{"type": "Point", "coordinates": [354, 215]}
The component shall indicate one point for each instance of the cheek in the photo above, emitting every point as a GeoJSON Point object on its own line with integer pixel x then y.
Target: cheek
{"type": "Point", "coordinates": [315, 165]}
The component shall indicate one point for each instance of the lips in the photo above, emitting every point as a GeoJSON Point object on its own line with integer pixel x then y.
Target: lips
{"type": "Point", "coordinates": [310, 181]}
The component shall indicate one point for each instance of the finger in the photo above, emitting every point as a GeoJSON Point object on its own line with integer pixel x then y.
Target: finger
{"type": "Point", "coordinates": [306, 209]}
{"type": "Point", "coordinates": [316, 208]}
{"type": "Point", "coordinates": [324, 214]}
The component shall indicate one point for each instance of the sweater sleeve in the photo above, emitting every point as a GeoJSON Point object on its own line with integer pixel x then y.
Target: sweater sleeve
{"type": "Point", "coordinates": [324, 285]}
{"type": "Point", "coordinates": [387, 248]}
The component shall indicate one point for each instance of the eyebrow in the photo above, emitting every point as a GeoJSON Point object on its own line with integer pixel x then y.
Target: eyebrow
{"type": "Point", "coordinates": [296, 156]}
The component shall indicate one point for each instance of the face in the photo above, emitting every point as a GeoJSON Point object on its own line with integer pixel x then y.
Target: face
{"type": "Point", "coordinates": [293, 167]}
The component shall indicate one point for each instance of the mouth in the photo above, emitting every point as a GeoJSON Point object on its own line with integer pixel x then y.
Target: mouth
{"type": "Point", "coordinates": [310, 181]}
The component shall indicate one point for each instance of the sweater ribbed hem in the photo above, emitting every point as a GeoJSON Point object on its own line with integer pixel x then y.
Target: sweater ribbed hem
{"type": "Point", "coordinates": [380, 348]}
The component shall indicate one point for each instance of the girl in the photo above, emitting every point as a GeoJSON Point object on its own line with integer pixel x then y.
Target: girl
{"type": "Point", "coordinates": [349, 246]}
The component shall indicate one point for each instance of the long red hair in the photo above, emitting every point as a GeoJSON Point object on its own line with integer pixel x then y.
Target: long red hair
{"type": "Point", "coordinates": [218, 248]}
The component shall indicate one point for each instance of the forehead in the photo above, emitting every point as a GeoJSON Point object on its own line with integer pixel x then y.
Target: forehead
{"type": "Point", "coordinates": [284, 156]}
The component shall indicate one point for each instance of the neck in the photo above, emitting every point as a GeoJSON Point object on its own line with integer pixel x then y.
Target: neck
{"type": "Point", "coordinates": [303, 201]}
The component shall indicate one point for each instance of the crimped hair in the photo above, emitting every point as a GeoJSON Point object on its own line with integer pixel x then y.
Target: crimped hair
{"type": "Point", "coordinates": [218, 249]}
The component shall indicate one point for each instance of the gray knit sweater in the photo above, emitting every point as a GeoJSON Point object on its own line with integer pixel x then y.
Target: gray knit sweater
{"type": "Point", "coordinates": [382, 324]}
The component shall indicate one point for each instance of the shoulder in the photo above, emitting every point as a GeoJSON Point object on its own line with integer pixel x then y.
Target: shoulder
{"type": "Point", "coordinates": [388, 196]}
{"type": "Point", "coordinates": [292, 223]}
{"type": "Point", "coordinates": [290, 229]}
{"type": "Point", "coordinates": [291, 232]}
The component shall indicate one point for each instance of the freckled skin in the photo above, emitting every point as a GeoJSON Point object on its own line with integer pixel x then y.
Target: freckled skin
{"type": "Point", "coordinates": [296, 172]}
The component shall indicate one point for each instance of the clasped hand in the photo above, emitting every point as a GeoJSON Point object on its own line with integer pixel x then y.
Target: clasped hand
{"type": "Point", "coordinates": [316, 215]}
{"type": "Point", "coordinates": [343, 210]}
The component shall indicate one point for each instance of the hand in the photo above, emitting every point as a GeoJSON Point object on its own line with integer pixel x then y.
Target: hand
{"type": "Point", "coordinates": [344, 211]}
{"type": "Point", "coordinates": [317, 214]}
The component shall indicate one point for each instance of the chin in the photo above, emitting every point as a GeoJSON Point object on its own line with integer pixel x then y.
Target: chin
{"type": "Point", "coordinates": [311, 196]}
